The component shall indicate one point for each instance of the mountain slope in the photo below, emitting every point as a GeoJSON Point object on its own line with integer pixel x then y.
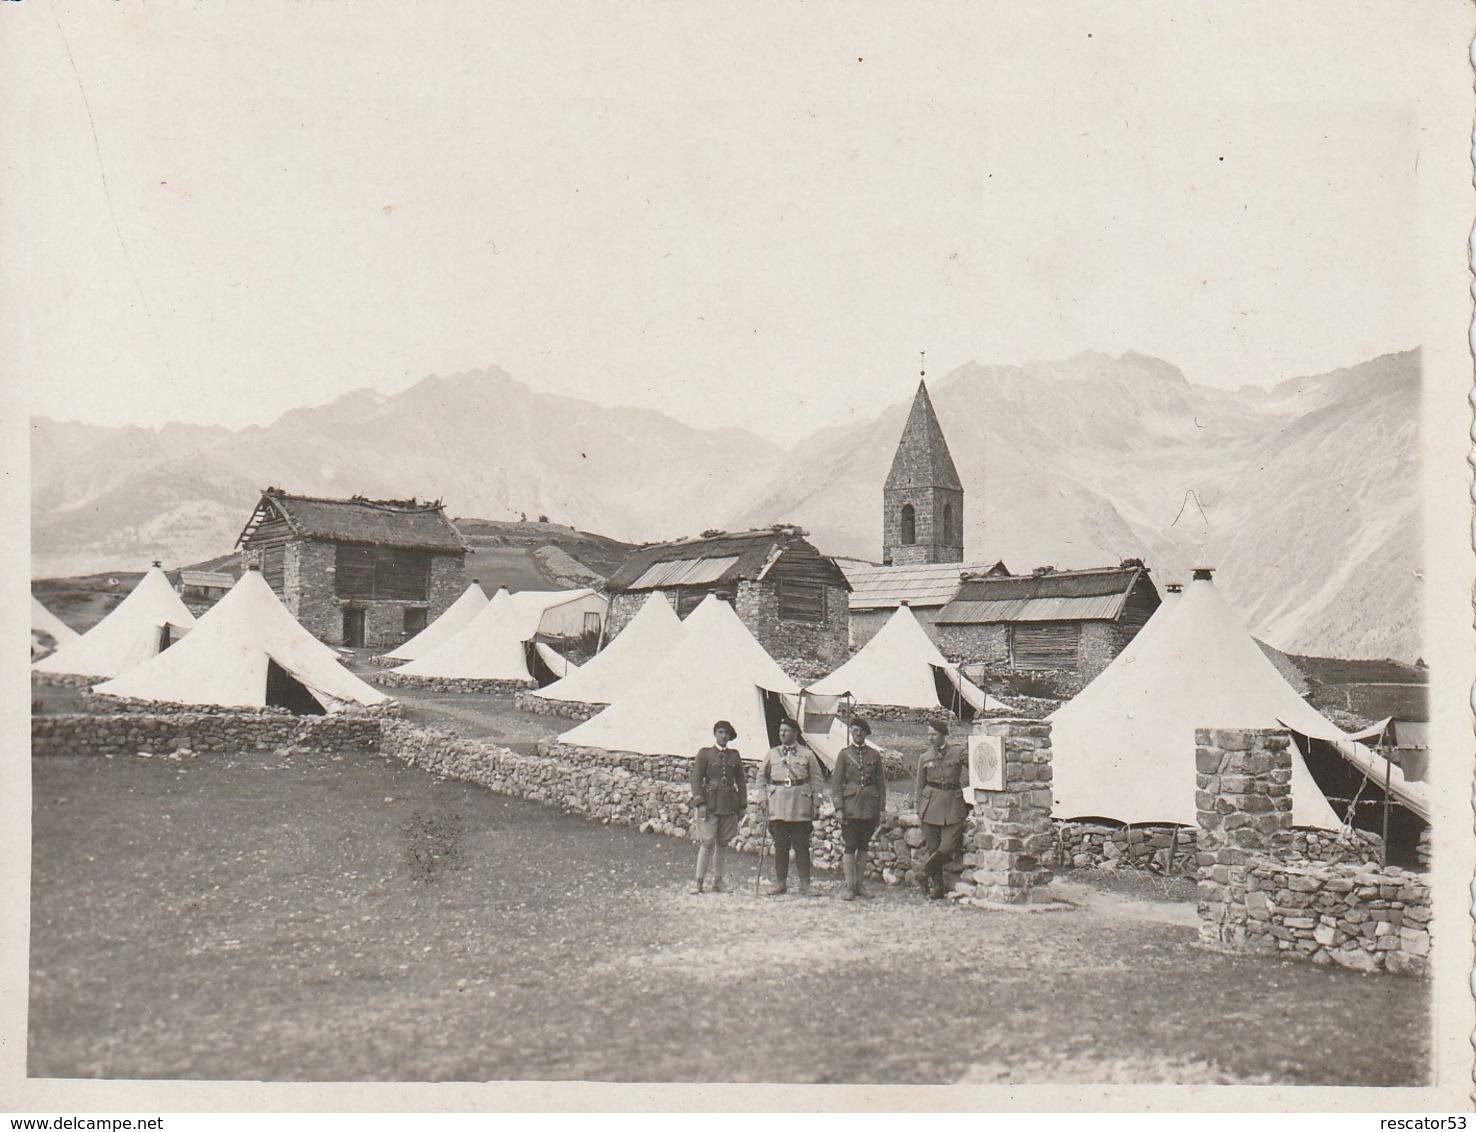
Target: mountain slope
{"type": "Point", "coordinates": [482, 442]}
{"type": "Point", "coordinates": [1303, 497]}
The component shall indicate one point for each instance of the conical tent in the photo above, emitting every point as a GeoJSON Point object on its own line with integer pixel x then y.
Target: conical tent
{"type": "Point", "coordinates": [901, 667]}
{"type": "Point", "coordinates": [45, 621]}
{"type": "Point", "coordinates": [151, 616]}
{"type": "Point", "coordinates": [645, 642]}
{"type": "Point", "coordinates": [456, 618]}
{"type": "Point", "coordinates": [248, 651]}
{"type": "Point", "coordinates": [1124, 747]}
{"type": "Point", "coordinates": [494, 644]}
{"type": "Point", "coordinates": [717, 671]}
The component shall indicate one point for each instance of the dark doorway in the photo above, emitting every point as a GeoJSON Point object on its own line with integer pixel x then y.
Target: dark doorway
{"type": "Point", "coordinates": [414, 622]}
{"type": "Point", "coordinates": [166, 638]}
{"type": "Point", "coordinates": [353, 628]}
{"type": "Point", "coordinates": [286, 691]}
{"type": "Point", "coordinates": [949, 697]}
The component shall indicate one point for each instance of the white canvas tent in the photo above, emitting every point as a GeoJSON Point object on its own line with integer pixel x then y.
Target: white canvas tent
{"type": "Point", "coordinates": [494, 644]}
{"type": "Point", "coordinates": [717, 671]}
{"type": "Point", "coordinates": [128, 636]}
{"type": "Point", "coordinates": [902, 667]}
{"type": "Point", "coordinates": [45, 621]}
{"type": "Point", "coordinates": [458, 616]}
{"type": "Point", "coordinates": [1124, 747]}
{"type": "Point", "coordinates": [644, 643]}
{"type": "Point", "coordinates": [248, 651]}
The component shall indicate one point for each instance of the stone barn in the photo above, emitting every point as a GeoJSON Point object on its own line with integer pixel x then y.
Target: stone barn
{"type": "Point", "coordinates": [790, 596]}
{"type": "Point", "coordinates": [1055, 629]}
{"type": "Point", "coordinates": [364, 573]}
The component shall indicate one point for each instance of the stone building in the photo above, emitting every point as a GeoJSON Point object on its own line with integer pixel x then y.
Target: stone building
{"type": "Point", "coordinates": [922, 500]}
{"type": "Point", "coordinates": [1059, 627]}
{"type": "Point", "coordinates": [877, 591]}
{"type": "Point", "coordinates": [789, 595]}
{"type": "Point", "coordinates": [358, 572]}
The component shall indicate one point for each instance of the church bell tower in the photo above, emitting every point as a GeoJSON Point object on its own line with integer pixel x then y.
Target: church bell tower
{"type": "Point", "coordinates": [922, 501]}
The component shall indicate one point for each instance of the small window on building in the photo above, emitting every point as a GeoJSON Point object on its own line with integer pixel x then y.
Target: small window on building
{"type": "Point", "coordinates": [948, 533]}
{"type": "Point", "coordinates": [1045, 646]}
{"type": "Point", "coordinates": [909, 525]}
{"type": "Point", "coordinates": [591, 624]}
{"type": "Point", "coordinates": [801, 600]}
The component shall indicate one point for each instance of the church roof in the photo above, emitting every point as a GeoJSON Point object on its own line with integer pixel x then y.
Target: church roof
{"type": "Point", "coordinates": [922, 458]}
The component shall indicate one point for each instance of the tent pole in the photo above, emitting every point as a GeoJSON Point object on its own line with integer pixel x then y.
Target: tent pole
{"type": "Point", "coordinates": [1388, 774]}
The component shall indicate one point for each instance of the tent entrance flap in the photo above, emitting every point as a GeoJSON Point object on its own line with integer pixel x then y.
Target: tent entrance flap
{"type": "Point", "coordinates": [537, 666]}
{"type": "Point", "coordinates": [949, 695]}
{"type": "Point", "coordinates": [286, 691]}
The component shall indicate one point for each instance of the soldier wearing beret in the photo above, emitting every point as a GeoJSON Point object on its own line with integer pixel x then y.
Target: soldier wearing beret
{"type": "Point", "coordinates": [792, 779]}
{"type": "Point", "coordinates": [859, 788]}
{"type": "Point", "coordinates": [941, 774]}
{"type": "Point", "coordinates": [719, 797]}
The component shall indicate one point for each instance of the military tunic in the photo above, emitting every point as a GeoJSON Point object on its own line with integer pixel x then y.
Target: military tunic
{"type": "Point", "coordinates": [859, 788]}
{"type": "Point", "coordinates": [940, 802]}
{"type": "Point", "coordinates": [720, 787]}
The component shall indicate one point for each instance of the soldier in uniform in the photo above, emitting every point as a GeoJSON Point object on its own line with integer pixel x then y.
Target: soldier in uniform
{"type": "Point", "coordinates": [859, 788]}
{"type": "Point", "coordinates": [941, 774]}
{"type": "Point", "coordinates": [719, 797]}
{"type": "Point", "coordinates": [792, 781]}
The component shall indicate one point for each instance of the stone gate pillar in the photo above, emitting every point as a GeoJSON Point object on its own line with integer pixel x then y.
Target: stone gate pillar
{"type": "Point", "coordinates": [1244, 809]}
{"type": "Point", "coordinates": [1009, 832]}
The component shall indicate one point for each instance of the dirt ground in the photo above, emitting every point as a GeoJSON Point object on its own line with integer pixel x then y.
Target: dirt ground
{"type": "Point", "coordinates": [320, 918]}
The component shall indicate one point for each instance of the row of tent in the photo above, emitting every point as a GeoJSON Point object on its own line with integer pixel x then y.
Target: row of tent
{"type": "Point", "coordinates": [247, 651]}
{"type": "Point", "coordinates": [1123, 748]}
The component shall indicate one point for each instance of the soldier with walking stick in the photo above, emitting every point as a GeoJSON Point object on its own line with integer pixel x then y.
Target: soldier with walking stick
{"type": "Point", "coordinates": [719, 797]}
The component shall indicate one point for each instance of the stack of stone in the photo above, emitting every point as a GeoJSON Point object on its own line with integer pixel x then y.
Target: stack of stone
{"type": "Point", "coordinates": [568, 709]}
{"type": "Point", "coordinates": [1008, 836]}
{"type": "Point", "coordinates": [458, 684]}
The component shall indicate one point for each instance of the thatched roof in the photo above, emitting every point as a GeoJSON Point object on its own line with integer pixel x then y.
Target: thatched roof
{"type": "Point", "coordinates": [373, 522]}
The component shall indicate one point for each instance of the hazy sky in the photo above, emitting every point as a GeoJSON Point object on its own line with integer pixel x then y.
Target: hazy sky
{"type": "Point", "coordinates": [743, 214]}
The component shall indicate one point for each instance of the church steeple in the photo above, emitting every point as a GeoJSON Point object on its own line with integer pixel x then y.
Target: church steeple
{"type": "Point", "coordinates": [922, 500]}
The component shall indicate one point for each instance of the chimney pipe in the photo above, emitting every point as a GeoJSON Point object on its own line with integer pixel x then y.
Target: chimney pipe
{"type": "Point", "coordinates": [1204, 573]}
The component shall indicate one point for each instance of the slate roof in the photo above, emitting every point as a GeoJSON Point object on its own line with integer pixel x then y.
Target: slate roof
{"type": "Point", "coordinates": [377, 522]}
{"type": "Point", "coordinates": [716, 560]}
{"type": "Point", "coordinates": [1074, 595]}
{"type": "Point", "coordinates": [922, 587]}
{"type": "Point", "coordinates": [922, 458]}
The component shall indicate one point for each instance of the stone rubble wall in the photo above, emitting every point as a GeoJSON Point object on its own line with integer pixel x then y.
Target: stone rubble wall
{"type": "Point", "coordinates": [1254, 897]}
{"type": "Point", "coordinates": [457, 684]}
{"type": "Point", "coordinates": [1356, 916]}
{"type": "Point", "coordinates": [567, 709]}
{"type": "Point", "coordinates": [1171, 850]}
{"type": "Point", "coordinates": [64, 680]}
{"type": "Point", "coordinates": [203, 732]}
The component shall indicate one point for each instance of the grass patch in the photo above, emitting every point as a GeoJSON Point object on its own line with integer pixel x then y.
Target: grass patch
{"type": "Point", "coordinates": [320, 918]}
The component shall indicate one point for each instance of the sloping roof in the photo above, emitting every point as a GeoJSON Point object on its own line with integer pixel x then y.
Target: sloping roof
{"type": "Point", "coordinates": [227, 658]}
{"type": "Point", "coordinates": [1076, 595]}
{"type": "Point", "coordinates": [715, 560]}
{"type": "Point", "coordinates": [717, 670]}
{"type": "Point", "coordinates": [126, 637]}
{"type": "Point", "coordinates": [409, 525]}
{"type": "Point", "coordinates": [923, 587]}
{"type": "Point", "coordinates": [1124, 747]}
{"type": "Point", "coordinates": [922, 458]}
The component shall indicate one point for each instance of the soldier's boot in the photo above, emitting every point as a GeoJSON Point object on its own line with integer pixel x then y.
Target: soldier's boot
{"type": "Point", "coordinates": [804, 879]}
{"type": "Point", "coordinates": [781, 876]}
{"type": "Point", "coordinates": [936, 891]}
{"type": "Point", "coordinates": [848, 863]}
{"type": "Point", "coordinates": [719, 861]}
{"type": "Point", "coordinates": [924, 875]}
{"type": "Point", "coordinates": [858, 885]}
{"type": "Point", "coordinates": [704, 853]}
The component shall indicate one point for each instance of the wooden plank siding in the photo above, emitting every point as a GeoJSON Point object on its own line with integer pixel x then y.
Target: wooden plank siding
{"type": "Point", "coordinates": [387, 573]}
{"type": "Point", "coordinates": [1139, 606]}
{"type": "Point", "coordinates": [800, 577]}
{"type": "Point", "coordinates": [1045, 645]}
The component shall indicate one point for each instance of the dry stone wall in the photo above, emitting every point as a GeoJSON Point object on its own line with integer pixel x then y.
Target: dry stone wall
{"type": "Point", "coordinates": [457, 684]}
{"type": "Point", "coordinates": [566, 709]}
{"type": "Point", "coordinates": [1255, 897]}
{"type": "Point", "coordinates": [202, 732]}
